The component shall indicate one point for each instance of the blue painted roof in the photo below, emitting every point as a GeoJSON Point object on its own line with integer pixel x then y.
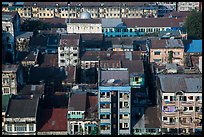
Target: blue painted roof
{"type": "Point", "coordinates": [194, 46]}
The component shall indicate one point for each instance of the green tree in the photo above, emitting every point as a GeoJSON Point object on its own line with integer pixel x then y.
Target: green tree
{"type": "Point", "coordinates": [94, 131]}
{"type": "Point", "coordinates": [193, 25]}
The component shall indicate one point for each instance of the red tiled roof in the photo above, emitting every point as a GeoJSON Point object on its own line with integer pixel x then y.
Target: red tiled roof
{"type": "Point", "coordinates": [152, 22]}
{"type": "Point", "coordinates": [54, 119]}
{"type": "Point", "coordinates": [50, 60]}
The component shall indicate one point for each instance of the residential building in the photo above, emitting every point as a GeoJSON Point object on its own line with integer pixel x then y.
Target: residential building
{"type": "Point", "coordinates": [164, 51]}
{"type": "Point", "coordinates": [71, 76]}
{"type": "Point", "coordinates": [10, 29]}
{"type": "Point", "coordinates": [12, 78]}
{"type": "Point", "coordinates": [47, 43]}
{"type": "Point", "coordinates": [5, 104]}
{"type": "Point", "coordinates": [74, 9]}
{"type": "Point", "coordinates": [18, 122]}
{"type": "Point", "coordinates": [22, 41]}
{"type": "Point", "coordinates": [180, 101]}
{"type": "Point", "coordinates": [84, 25]}
{"type": "Point", "coordinates": [114, 104]}
{"type": "Point", "coordinates": [56, 124]}
{"type": "Point", "coordinates": [165, 7]}
{"type": "Point", "coordinates": [149, 123]}
{"type": "Point", "coordinates": [91, 42]}
{"type": "Point", "coordinates": [68, 51]}
{"type": "Point", "coordinates": [188, 6]}
{"type": "Point", "coordinates": [82, 118]}
{"type": "Point", "coordinates": [30, 60]}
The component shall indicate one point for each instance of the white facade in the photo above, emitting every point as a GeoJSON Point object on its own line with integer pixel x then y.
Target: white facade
{"type": "Point", "coordinates": [200, 64]}
{"type": "Point", "coordinates": [68, 56]}
{"type": "Point", "coordinates": [188, 6]}
{"type": "Point", "coordinates": [84, 27]}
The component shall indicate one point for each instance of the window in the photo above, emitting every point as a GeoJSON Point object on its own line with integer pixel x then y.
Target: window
{"type": "Point", "coordinates": [190, 97]}
{"type": "Point", "coordinates": [31, 128]}
{"type": "Point", "coordinates": [114, 115]}
{"type": "Point", "coordinates": [126, 125]}
{"type": "Point", "coordinates": [19, 128]}
{"type": "Point", "coordinates": [7, 28]}
{"type": "Point", "coordinates": [44, 14]}
{"type": "Point", "coordinates": [62, 61]}
{"type": "Point", "coordinates": [61, 54]}
{"type": "Point", "coordinates": [9, 127]}
{"type": "Point", "coordinates": [172, 98]}
{"type": "Point", "coordinates": [74, 54]}
{"type": "Point", "coordinates": [74, 48]}
{"type": "Point", "coordinates": [157, 52]}
{"type": "Point", "coordinates": [6, 91]}
{"type": "Point", "coordinates": [190, 108]}
{"type": "Point", "coordinates": [165, 97]}
{"type": "Point", "coordinates": [120, 104]}
{"type": "Point", "coordinates": [121, 94]}
{"type": "Point", "coordinates": [126, 104]}
{"type": "Point", "coordinates": [48, 14]}
{"type": "Point", "coordinates": [164, 118]}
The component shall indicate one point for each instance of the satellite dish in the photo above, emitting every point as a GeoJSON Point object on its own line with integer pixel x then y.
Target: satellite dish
{"type": "Point", "coordinates": [111, 80]}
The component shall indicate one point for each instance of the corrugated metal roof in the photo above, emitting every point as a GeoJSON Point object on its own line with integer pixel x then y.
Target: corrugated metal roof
{"type": "Point", "coordinates": [111, 23]}
{"type": "Point", "coordinates": [195, 46]}
{"type": "Point", "coordinates": [186, 83]}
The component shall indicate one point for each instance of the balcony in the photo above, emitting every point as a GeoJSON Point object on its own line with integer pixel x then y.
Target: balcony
{"type": "Point", "coordinates": [168, 103]}
{"type": "Point", "coordinates": [198, 114]}
{"type": "Point", "coordinates": [187, 103]}
{"type": "Point", "coordinates": [105, 109]}
{"type": "Point", "coordinates": [105, 131]}
{"type": "Point", "coordinates": [169, 113]}
{"type": "Point", "coordinates": [169, 125]}
{"type": "Point", "coordinates": [124, 109]}
{"type": "Point", "coordinates": [199, 103]}
{"type": "Point", "coordinates": [103, 99]}
{"type": "Point", "coordinates": [122, 131]}
{"type": "Point", "coordinates": [126, 120]}
{"type": "Point", "coordinates": [186, 113]}
{"type": "Point", "coordinates": [105, 120]}
{"type": "Point", "coordinates": [184, 124]}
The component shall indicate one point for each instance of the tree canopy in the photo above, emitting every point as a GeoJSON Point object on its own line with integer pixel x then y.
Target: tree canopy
{"type": "Point", "coordinates": [193, 25]}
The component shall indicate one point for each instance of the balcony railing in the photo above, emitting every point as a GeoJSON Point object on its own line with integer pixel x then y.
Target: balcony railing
{"type": "Point", "coordinates": [187, 103]}
{"type": "Point", "coordinates": [105, 120]}
{"type": "Point", "coordinates": [127, 131]}
{"type": "Point", "coordinates": [105, 110]}
{"type": "Point", "coordinates": [124, 109]}
{"type": "Point", "coordinates": [105, 131]}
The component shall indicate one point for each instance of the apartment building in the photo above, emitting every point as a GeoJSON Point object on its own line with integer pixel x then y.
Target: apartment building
{"type": "Point", "coordinates": [114, 105]}
{"type": "Point", "coordinates": [165, 7]}
{"type": "Point", "coordinates": [74, 9]}
{"type": "Point", "coordinates": [22, 41]}
{"type": "Point", "coordinates": [10, 28]}
{"type": "Point", "coordinates": [82, 118]}
{"type": "Point", "coordinates": [18, 122]}
{"type": "Point", "coordinates": [12, 78]}
{"type": "Point", "coordinates": [188, 6]}
{"type": "Point", "coordinates": [68, 51]}
{"type": "Point", "coordinates": [180, 101]}
{"type": "Point", "coordinates": [5, 104]}
{"type": "Point", "coordinates": [164, 51]}
{"type": "Point", "coordinates": [84, 24]}
{"type": "Point", "coordinates": [132, 27]}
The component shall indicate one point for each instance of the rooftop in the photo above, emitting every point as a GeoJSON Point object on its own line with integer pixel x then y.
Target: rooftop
{"type": "Point", "coordinates": [195, 46]}
{"type": "Point", "coordinates": [70, 73]}
{"type": "Point", "coordinates": [134, 66]}
{"type": "Point", "coordinates": [22, 108]}
{"type": "Point", "coordinates": [70, 40]}
{"type": "Point", "coordinates": [110, 64]}
{"type": "Point", "coordinates": [53, 119]}
{"type": "Point", "coordinates": [77, 102]}
{"type": "Point", "coordinates": [32, 89]}
{"type": "Point", "coordinates": [166, 43]}
{"type": "Point", "coordinates": [153, 22]}
{"type": "Point", "coordinates": [25, 35]}
{"type": "Point", "coordinates": [5, 102]}
{"type": "Point", "coordinates": [173, 83]}
{"type": "Point", "coordinates": [111, 23]}
{"type": "Point", "coordinates": [152, 116]}
{"type": "Point", "coordinates": [8, 16]}
{"type": "Point", "coordinates": [94, 21]}
{"type": "Point", "coordinates": [114, 78]}
{"type": "Point", "coordinates": [9, 68]}
{"type": "Point", "coordinates": [50, 60]}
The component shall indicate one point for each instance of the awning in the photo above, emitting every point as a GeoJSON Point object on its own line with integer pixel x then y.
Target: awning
{"type": "Point", "coordinates": [91, 125]}
{"type": "Point", "coordinates": [104, 124]}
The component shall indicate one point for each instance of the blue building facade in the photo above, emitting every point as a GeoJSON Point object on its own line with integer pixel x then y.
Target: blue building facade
{"type": "Point", "coordinates": [114, 110]}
